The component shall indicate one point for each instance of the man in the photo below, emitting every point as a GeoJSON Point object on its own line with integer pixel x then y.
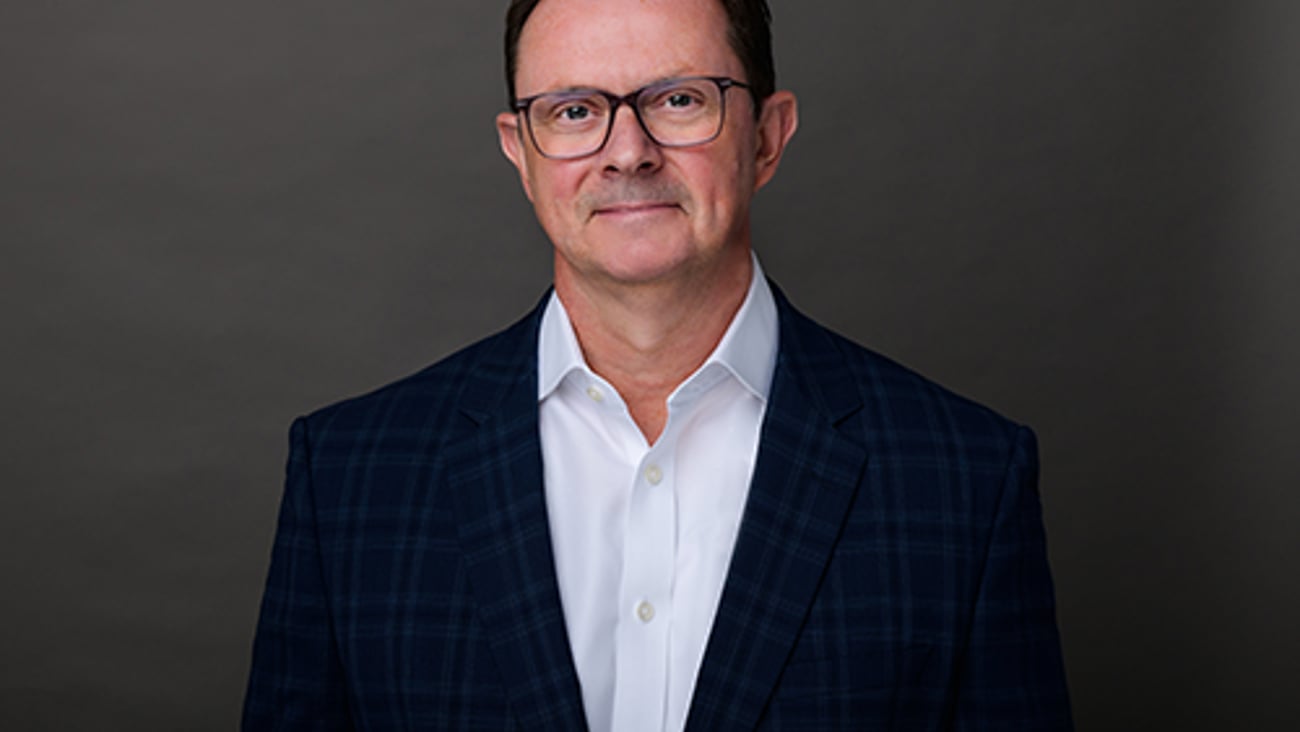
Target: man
{"type": "Point", "coordinates": [664, 499]}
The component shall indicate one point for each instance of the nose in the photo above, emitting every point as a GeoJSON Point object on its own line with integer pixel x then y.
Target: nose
{"type": "Point", "coordinates": [629, 150]}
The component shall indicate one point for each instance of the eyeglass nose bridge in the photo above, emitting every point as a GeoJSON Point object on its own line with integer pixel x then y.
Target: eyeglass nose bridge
{"type": "Point", "coordinates": [632, 102]}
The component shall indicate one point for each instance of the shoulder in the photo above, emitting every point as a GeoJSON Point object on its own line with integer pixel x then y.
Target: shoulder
{"type": "Point", "coordinates": [431, 397]}
{"type": "Point", "coordinates": [894, 403]}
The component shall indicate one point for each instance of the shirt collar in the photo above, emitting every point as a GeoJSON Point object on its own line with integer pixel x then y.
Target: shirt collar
{"type": "Point", "coordinates": [747, 350]}
{"type": "Point", "coordinates": [558, 351]}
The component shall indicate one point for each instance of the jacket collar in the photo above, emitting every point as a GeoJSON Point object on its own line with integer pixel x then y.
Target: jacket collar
{"type": "Point", "coordinates": [805, 478]}
{"type": "Point", "coordinates": [494, 472]}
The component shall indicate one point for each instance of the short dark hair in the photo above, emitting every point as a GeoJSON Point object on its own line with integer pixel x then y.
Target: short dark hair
{"type": "Point", "coordinates": [749, 32]}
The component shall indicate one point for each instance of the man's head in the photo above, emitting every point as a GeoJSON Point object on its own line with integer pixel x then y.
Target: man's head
{"type": "Point", "coordinates": [637, 208]}
{"type": "Point", "coordinates": [748, 32]}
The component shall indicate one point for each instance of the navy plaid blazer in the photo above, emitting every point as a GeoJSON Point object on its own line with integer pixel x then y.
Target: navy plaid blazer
{"type": "Point", "coordinates": [889, 573]}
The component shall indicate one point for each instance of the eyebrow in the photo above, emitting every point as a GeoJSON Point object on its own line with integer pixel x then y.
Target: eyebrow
{"type": "Point", "coordinates": [680, 74]}
{"type": "Point", "coordinates": [571, 90]}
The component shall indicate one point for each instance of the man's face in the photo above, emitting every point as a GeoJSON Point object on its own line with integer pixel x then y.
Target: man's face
{"type": "Point", "coordinates": [635, 212]}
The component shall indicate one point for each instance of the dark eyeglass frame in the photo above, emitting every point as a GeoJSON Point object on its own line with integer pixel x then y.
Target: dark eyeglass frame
{"type": "Point", "coordinates": [521, 106]}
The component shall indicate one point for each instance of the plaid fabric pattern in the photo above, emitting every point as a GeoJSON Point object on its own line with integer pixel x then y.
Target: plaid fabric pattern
{"type": "Point", "coordinates": [890, 572]}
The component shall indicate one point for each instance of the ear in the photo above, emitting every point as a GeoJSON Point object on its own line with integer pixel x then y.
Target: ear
{"type": "Point", "coordinates": [510, 135]}
{"type": "Point", "coordinates": [776, 125]}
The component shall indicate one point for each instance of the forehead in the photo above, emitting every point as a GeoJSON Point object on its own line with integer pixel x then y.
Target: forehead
{"type": "Point", "coordinates": [620, 45]}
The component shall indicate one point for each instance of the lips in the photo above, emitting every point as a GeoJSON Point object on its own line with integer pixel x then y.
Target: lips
{"type": "Point", "coordinates": [634, 207]}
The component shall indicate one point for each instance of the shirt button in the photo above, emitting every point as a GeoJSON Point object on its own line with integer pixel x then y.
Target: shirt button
{"type": "Point", "coordinates": [654, 474]}
{"type": "Point", "coordinates": [595, 394]}
{"type": "Point", "coordinates": [645, 611]}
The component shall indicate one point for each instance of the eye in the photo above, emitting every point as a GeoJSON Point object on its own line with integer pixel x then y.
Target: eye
{"type": "Point", "coordinates": [569, 110]}
{"type": "Point", "coordinates": [679, 100]}
{"type": "Point", "coordinates": [574, 112]}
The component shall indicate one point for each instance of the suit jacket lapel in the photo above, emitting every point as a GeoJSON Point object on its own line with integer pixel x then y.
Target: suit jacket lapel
{"type": "Point", "coordinates": [494, 470]}
{"type": "Point", "coordinates": [804, 481]}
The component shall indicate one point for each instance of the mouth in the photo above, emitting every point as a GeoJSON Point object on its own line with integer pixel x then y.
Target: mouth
{"type": "Point", "coordinates": [634, 208]}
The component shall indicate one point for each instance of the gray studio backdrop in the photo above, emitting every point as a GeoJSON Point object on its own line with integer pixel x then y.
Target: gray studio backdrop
{"type": "Point", "coordinates": [218, 215]}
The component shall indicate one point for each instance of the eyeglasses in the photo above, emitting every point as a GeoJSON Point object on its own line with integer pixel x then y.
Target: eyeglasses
{"type": "Point", "coordinates": [576, 123]}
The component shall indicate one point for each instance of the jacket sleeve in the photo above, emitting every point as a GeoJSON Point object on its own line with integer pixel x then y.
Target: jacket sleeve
{"type": "Point", "coordinates": [1012, 676]}
{"type": "Point", "coordinates": [297, 680]}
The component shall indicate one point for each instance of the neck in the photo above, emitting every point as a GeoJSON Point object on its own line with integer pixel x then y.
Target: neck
{"type": "Point", "coordinates": [646, 338]}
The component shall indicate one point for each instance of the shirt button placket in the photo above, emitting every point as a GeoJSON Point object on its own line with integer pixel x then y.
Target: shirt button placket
{"type": "Point", "coordinates": [642, 642]}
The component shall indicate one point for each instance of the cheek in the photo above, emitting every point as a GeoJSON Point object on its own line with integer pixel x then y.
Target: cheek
{"type": "Point", "coordinates": [553, 191]}
{"type": "Point", "coordinates": [729, 185]}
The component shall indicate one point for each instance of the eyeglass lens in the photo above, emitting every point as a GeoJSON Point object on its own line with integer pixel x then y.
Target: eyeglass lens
{"type": "Point", "coordinates": [675, 113]}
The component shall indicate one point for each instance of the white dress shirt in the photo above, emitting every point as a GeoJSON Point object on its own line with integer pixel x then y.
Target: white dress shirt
{"type": "Point", "coordinates": [642, 534]}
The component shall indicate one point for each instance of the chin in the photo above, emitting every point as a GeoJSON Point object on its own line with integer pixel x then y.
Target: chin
{"type": "Point", "coordinates": [641, 263]}
{"type": "Point", "coordinates": [644, 271]}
